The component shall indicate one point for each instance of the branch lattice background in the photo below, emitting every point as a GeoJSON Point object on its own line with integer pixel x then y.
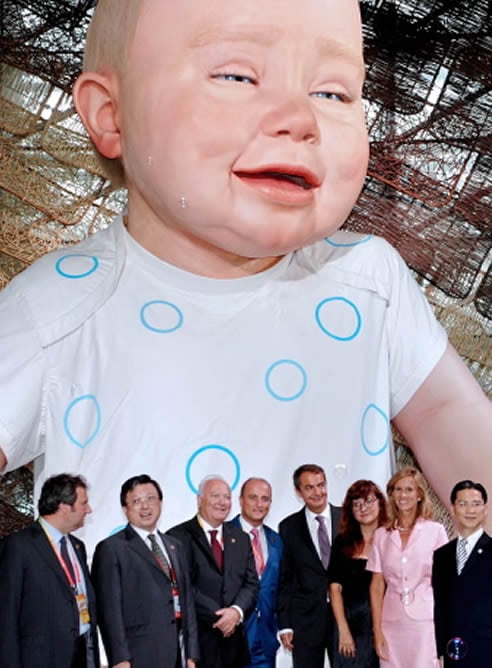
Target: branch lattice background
{"type": "Point", "coordinates": [429, 190]}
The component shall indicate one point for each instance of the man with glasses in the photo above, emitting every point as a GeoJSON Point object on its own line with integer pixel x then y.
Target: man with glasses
{"type": "Point", "coordinates": [143, 589]}
{"type": "Point", "coordinates": [462, 583]}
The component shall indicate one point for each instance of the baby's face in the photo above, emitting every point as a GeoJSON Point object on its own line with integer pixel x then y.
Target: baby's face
{"type": "Point", "coordinates": [242, 122]}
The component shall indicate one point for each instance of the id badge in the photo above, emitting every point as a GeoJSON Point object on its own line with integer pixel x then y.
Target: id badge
{"type": "Point", "coordinates": [177, 605]}
{"type": "Point", "coordinates": [83, 608]}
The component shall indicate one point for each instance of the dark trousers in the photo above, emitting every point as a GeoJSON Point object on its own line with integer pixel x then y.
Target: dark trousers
{"type": "Point", "coordinates": [83, 656]}
{"type": "Point", "coordinates": [308, 657]}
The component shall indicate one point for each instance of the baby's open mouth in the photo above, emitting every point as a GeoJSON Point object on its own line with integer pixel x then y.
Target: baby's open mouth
{"type": "Point", "coordinates": [296, 179]}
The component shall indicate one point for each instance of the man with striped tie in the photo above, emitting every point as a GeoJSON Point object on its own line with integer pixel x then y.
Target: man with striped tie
{"type": "Point", "coordinates": [144, 597]}
{"type": "Point", "coordinates": [255, 499]}
{"type": "Point", "coordinates": [462, 583]}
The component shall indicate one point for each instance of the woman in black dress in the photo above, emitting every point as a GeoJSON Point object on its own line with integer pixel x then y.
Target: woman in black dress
{"type": "Point", "coordinates": [363, 511]}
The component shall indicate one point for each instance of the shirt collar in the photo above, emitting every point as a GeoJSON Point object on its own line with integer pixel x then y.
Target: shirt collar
{"type": "Point", "coordinates": [54, 533]}
{"type": "Point", "coordinates": [311, 517]}
{"type": "Point", "coordinates": [207, 528]}
{"type": "Point", "coordinates": [472, 539]}
{"type": "Point", "coordinates": [143, 533]}
{"type": "Point", "coordinates": [246, 526]}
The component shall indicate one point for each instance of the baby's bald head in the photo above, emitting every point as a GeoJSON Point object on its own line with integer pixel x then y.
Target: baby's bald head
{"type": "Point", "coordinates": [110, 34]}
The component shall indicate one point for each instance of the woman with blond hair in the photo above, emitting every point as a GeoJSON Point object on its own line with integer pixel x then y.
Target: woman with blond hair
{"type": "Point", "coordinates": [401, 563]}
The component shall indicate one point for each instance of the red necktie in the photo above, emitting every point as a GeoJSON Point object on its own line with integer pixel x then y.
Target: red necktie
{"type": "Point", "coordinates": [216, 548]}
{"type": "Point", "coordinates": [66, 557]}
{"type": "Point", "coordinates": [257, 551]}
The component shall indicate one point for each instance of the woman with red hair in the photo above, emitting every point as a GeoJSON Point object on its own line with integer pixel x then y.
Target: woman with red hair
{"type": "Point", "coordinates": [363, 511]}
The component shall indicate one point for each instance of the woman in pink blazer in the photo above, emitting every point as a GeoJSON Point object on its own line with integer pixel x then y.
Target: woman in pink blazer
{"type": "Point", "coordinates": [401, 563]}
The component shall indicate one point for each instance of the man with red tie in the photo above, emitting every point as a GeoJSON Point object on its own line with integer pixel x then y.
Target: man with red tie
{"type": "Point", "coordinates": [47, 603]}
{"type": "Point", "coordinates": [223, 576]}
{"type": "Point", "coordinates": [255, 499]}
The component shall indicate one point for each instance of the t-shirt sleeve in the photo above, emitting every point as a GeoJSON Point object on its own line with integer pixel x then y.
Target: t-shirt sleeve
{"type": "Point", "coordinates": [22, 374]}
{"type": "Point", "coordinates": [416, 340]}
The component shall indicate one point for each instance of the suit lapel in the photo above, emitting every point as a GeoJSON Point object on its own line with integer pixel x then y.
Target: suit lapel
{"type": "Point", "coordinates": [201, 541]}
{"type": "Point", "coordinates": [173, 556]}
{"type": "Point", "coordinates": [476, 554]}
{"type": "Point", "coordinates": [45, 549]}
{"type": "Point", "coordinates": [273, 547]}
{"type": "Point", "coordinates": [230, 546]}
{"type": "Point", "coordinates": [136, 543]}
{"type": "Point", "coordinates": [306, 538]}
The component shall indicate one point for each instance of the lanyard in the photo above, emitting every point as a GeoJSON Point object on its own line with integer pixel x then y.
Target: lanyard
{"type": "Point", "coordinates": [78, 579]}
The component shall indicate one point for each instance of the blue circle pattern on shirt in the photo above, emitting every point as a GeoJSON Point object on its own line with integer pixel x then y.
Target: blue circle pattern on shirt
{"type": "Point", "coordinates": [144, 317]}
{"type": "Point", "coordinates": [370, 411]}
{"type": "Point", "coordinates": [322, 306]}
{"type": "Point", "coordinates": [348, 245]}
{"type": "Point", "coordinates": [276, 394]}
{"type": "Point", "coordinates": [200, 451]}
{"type": "Point", "coordinates": [75, 274]}
{"type": "Point", "coordinates": [87, 402]}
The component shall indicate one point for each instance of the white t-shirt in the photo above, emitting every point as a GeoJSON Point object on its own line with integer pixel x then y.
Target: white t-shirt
{"type": "Point", "coordinates": [114, 363]}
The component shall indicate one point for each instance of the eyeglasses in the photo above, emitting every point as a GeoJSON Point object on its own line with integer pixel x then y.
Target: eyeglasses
{"type": "Point", "coordinates": [364, 503]}
{"type": "Point", "coordinates": [469, 504]}
{"type": "Point", "coordinates": [151, 500]}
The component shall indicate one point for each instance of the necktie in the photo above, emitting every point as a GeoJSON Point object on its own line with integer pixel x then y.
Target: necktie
{"type": "Point", "coordinates": [257, 551]}
{"type": "Point", "coordinates": [323, 541]}
{"type": "Point", "coordinates": [461, 554]}
{"type": "Point", "coordinates": [159, 555]}
{"type": "Point", "coordinates": [216, 548]}
{"type": "Point", "coordinates": [66, 557]}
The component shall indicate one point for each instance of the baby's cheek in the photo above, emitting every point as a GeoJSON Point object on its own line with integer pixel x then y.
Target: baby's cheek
{"type": "Point", "coordinates": [352, 151]}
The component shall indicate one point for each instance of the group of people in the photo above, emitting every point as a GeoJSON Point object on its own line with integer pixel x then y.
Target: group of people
{"type": "Point", "coordinates": [372, 583]}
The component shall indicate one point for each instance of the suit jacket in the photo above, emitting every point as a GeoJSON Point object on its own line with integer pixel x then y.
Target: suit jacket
{"type": "Point", "coordinates": [39, 618]}
{"type": "Point", "coordinates": [213, 589]}
{"type": "Point", "coordinates": [135, 603]}
{"type": "Point", "coordinates": [463, 603]}
{"type": "Point", "coordinates": [262, 624]}
{"type": "Point", "coordinates": [413, 566]}
{"type": "Point", "coordinates": [303, 586]}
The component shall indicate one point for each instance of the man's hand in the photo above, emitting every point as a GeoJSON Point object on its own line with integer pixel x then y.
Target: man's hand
{"type": "Point", "coordinates": [190, 663]}
{"type": "Point", "coordinates": [286, 640]}
{"type": "Point", "coordinates": [228, 620]}
{"type": "Point", "coordinates": [122, 664]}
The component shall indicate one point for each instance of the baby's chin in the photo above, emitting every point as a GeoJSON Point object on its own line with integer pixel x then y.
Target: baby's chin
{"type": "Point", "coordinates": [270, 246]}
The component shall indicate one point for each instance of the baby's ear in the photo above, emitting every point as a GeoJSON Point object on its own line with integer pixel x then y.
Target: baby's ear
{"type": "Point", "coordinates": [95, 97]}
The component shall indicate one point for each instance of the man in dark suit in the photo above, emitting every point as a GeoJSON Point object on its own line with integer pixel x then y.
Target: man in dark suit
{"type": "Point", "coordinates": [255, 500]}
{"type": "Point", "coordinates": [144, 597]}
{"type": "Point", "coordinates": [47, 604]}
{"type": "Point", "coordinates": [304, 612]}
{"type": "Point", "coordinates": [462, 583]}
{"type": "Point", "coordinates": [223, 575]}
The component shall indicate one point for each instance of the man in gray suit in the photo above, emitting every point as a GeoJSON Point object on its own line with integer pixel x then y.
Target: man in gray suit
{"type": "Point", "coordinates": [144, 598]}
